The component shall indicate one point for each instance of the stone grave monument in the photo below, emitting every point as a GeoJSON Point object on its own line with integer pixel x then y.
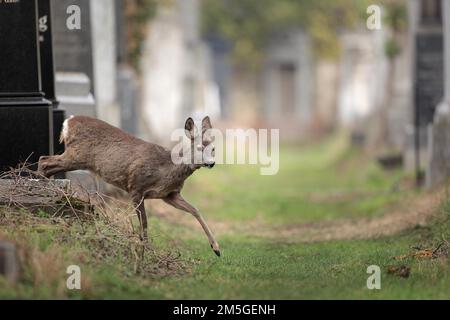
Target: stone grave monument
{"type": "Point", "coordinates": [73, 57]}
{"type": "Point", "coordinates": [26, 117]}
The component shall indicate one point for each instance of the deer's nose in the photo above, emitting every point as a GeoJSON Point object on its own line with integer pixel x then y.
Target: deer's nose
{"type": "Point", "coordinates": [210, 165]}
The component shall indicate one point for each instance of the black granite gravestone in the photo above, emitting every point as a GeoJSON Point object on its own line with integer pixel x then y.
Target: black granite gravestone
{"type": "Point", "coordinates": [429, 87]}
{"type": "Point", "coordinates": [26, 126]}
{"type": "Point", "coordinates": [46, 50]}
{"type": "Point", "coordinates": [48, 70]}
{"type": "Point", "coordinates": [429, 75]}
{"type": "Point", "coordinates": [18, 49]}
{"type": "Point", "coordinates": [72, 48]}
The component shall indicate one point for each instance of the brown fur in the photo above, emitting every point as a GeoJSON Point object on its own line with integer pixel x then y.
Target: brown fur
{"type": "Point", "coordinates": [144, 170]}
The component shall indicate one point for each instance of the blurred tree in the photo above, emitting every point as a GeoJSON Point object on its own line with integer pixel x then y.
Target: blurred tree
{"type": "Point", "coordinates": [137, 15]}
{"type": "Point", "coordinates": [248, 24]}
{"type": "Point", "coordinates": [395, 18]}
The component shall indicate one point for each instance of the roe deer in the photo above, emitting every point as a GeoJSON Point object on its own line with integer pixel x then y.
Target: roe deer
{"type": "Point", "coordinates": [144, 170]}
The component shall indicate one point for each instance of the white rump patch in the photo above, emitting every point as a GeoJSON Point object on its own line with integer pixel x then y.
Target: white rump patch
{"type": "Point", "coordinates": [65, 130]}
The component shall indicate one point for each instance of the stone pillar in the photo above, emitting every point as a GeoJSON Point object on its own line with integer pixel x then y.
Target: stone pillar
{"type": "Point", "coordinates": [438, 170]}
{"type": "Point", "coordinates": [105, 68]}
{"type": "Point", "coordinates": [127, 80]}
{"type": "Point", "coordinates": [169, 68]}
{"type": "Point", "coordinates": [127, 89]}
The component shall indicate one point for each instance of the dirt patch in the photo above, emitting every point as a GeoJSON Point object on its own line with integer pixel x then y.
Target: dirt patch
{"type": "Point", "coordinates": [399, 271]}
{"type": "Point", "coordinates": [414, 212]}
{"type": "Point", "coordinates": [405, 216]}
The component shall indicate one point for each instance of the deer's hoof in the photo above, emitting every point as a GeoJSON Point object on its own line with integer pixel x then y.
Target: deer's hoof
{"type": "Point", "coordinates": [216, 249]}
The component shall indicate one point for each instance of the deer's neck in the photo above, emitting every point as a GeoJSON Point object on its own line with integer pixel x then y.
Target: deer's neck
{"type": "Point", "coordinates": [184, 170]}
{"type": "Point", "coordinates": [189, 168]}
{"type": "Point", "coordinates": [178, 174]}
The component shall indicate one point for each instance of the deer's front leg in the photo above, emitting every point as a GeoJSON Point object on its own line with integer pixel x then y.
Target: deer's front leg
{"type": "Point", "coordinates": [140, 211]}
{"type": "Point", "coordinates": [177, 201]}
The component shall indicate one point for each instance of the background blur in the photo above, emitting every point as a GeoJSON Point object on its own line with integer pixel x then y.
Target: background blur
{"type": "Point", "coordinates": [364, 119]}
{"type": "Point", "coordinates": [311, 68]}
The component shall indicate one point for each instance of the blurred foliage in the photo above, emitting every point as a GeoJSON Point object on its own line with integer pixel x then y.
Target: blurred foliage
{"type": "Point", "coordinates": [137, 15]}
{"type": "Point", "coordinates": [249, 24]}
{"type": "Point", "coordinates": [392, 48]}
{"type": "Point", "coordinates": [396, 14]}
{"type": "Point", "coordinates": [396, 19]}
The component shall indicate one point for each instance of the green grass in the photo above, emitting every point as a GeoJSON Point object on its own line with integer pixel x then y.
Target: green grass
{"type": "Point", "coordinates": [257, 269]}
{"type": "Point", "coordinates": [254, 268]}
{"type": "Point", "coordinates": [239, 192]}
{"type": "Point", "coordinates": [251, 266]}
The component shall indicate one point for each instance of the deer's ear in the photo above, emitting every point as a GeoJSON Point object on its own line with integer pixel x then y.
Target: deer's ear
{"type": "Point", "coordinates": [190, 129]}
{"type": "Point", "coordinates": [206, 124]}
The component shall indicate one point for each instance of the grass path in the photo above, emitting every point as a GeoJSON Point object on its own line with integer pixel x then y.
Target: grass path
{"type": "Point", "coordinates": [403, 216]}
{"type": "Point", "coordinates": [309, 232]}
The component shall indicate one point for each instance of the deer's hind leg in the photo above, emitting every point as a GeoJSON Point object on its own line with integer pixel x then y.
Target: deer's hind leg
{"type": "Point", "coordinates": [51, 165]}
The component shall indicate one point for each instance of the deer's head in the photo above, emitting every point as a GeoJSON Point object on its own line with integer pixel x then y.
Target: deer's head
{"type": "Point", "coordinates": [202, 147]}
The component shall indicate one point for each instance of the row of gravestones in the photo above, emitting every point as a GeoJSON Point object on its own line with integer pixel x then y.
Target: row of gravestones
{"type": "Point", "coordinates": [35, 40]}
